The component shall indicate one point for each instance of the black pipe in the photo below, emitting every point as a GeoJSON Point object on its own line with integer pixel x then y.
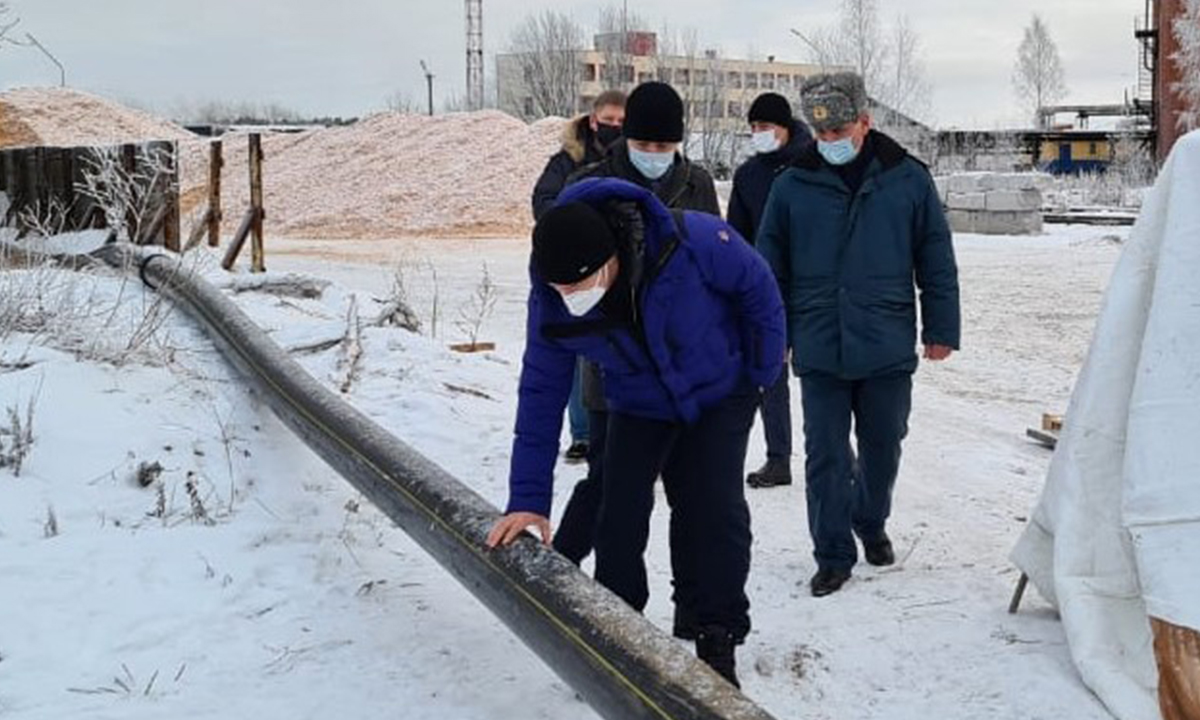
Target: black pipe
{"type": "Point", "coordinates": [621, 664]}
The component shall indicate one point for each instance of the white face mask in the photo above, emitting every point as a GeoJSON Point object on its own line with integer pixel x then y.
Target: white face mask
{"type": "Point", "coordinates": [652, 165]}
{"type": "Point", "coordinates": [764, 141]}
{"type": "Point", "coordinates": [581, 302]}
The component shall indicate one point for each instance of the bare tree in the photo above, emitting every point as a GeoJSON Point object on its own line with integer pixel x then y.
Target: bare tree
{"type": "Point", "coordinates": [890, 63]}
{"type": "Point", "coordinates": [1186, 28]}
{"type": "Point", "coordinates": [401, 102]}
{"type": "Point", "coordinates": [613, 27]}
{"type": "Point", "coordinates": [546, 47]}
{"type": "Point", "coordinates": [1038, 76]}
{"type": "Point", "coordinates": [908, 90]}
{"type": "Point", "coordinates": [8, 23]}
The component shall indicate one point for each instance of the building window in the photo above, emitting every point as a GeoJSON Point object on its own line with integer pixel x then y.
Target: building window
{"type": "Point", "coordinates": [700, 78]}
{"type": "Point", "coordinates": [683, 76]}
{"type": "Point", "coordinates": [768, 81]}
{"type": "Point", "coordinates": [735, 80]}
{"type": "Point", "coordinates": [645, 77]}
{"type": "Point", "coordinates": [716, 109]}
{"type": "Point", "coordinates": [735, 109]}
{"type": "Point", "coordinates": [1092, 149]}
{"type": "Point", "coordinates": [664, 75]}
{"type": "Point", "coordinates": [528, 107]}
{"type": "Point", "coordinates": [751, 81]}
{"type": "Point", "coordinates": [627, 74]}
{"type": "Point", "coordinates": [589, 72]}
{"type": "Point", "coordinates": [784, 82]}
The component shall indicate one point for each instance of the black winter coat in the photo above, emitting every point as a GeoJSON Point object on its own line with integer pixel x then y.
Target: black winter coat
{"type": "Point", "coordinates": [753, 179]}
{"type": "Point", "coordinates": [579, 149]}
{"type": "Point", "coordinates": [686, 187]}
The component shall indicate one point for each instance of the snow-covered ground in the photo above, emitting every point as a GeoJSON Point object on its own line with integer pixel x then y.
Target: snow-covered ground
{"type": "Point", "coordinates": [276, 591]}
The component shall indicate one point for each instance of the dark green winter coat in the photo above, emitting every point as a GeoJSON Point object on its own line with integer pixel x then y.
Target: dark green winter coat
{"type": "Point", "coordinates": [849, 265]}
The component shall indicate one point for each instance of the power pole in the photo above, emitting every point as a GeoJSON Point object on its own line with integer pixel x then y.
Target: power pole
{"type": "Point", "coordinates": [474, 54]}
{"type": "Point", "coordinates": [429, 84]}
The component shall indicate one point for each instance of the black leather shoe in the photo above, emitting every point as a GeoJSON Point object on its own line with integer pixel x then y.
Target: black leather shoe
{"type": "Point", "coordinates": [879, 551]}
{"type": "Point", "coordinates": [715, 645]}
{"type": "Point", "coordinates": [774, 473]}
{"type": "Point", "coordinates": [827, 582]}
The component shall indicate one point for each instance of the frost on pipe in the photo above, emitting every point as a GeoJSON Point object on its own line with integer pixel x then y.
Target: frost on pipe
{"type": "Point", "coordinates": [619, 662]}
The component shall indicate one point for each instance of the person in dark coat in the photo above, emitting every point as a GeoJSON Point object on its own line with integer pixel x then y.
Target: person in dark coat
{"type": "Point", "coordinates": [585, 141]}
{"type": "Point", "coordinates": [777, 139]}
{"type": "Point", "coordinates": [650, 158]}
{"type": "Point", "coordinates": [687, 323]}
{"type": "Point", "coordinates": [847, 230]}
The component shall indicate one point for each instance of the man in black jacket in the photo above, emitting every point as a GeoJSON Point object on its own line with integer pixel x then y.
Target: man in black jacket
{"type": "Point", "coordinates": [585, 141]}
{"type": "Point", "coordinates": [648, 156]}
{"type": "Point", "coordinates": [777, 139]}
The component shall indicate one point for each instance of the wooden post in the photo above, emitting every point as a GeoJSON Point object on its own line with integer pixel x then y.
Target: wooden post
{"type": "Point", "coordinates": [215, 163]}
{"type": "Point", "coordinates": [170, 197]}
{"type": "Point", "coordinates": [129, 166]}
{"type": "Point", "coordinates": [257, 263]}
{"type": "Point", "coordinates": [239, 239]}
{"type": "Point", "coordinates": [1018, 593]}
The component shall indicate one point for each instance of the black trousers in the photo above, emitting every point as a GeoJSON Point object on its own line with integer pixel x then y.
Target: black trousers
{"type": "Point", "coordinates": [850, 495]}
{"type": "Point", "coordinates": [576, 533]}
{"type": "Point", "coordinates": [701, 466]}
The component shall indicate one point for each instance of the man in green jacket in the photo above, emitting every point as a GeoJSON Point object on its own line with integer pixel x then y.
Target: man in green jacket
{"type": "Point", "coordinates": [847, 230]}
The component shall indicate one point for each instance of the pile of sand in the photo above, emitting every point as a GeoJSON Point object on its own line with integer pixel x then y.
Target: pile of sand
{"type": "Point", "coordinates": [69, 118]}
{"type": "Point", "coordinates": [391, 175]}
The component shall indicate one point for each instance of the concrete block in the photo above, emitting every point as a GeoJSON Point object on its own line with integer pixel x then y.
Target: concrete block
{"type": "Point", "coordinates": [967, 201]}
{"type": "Point", "coordinates": [961, 221]}
{"type": "Point", "coordinates": [942, 183]}
{"type": "Point", "coordinates": [1014, 200]}
{"type": "Point", "coordinates": [965, 182]}
{"type": "Point", "coordinates": [1008, 223]}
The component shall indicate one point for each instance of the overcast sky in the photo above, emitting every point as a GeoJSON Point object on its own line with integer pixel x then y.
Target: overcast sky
{"type": "Point", "coordinates": [345, 57]}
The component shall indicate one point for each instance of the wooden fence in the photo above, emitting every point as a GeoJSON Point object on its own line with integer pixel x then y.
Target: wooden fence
{"type": "Point", "coordinates": [51, 184]}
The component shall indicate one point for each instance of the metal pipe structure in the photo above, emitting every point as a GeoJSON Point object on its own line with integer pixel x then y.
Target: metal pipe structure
{"type": "Point", "coordinates": [621, 664]}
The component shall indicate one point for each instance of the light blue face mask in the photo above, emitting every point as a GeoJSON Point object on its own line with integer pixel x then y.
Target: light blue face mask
{"type": "Point", "coordinates": [838, 152]}
{"type": "Point", "coordinates": [651, 164]}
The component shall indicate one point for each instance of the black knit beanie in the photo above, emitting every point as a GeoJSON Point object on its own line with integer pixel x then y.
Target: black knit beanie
{"type": "Point", "coordinates": [771, 108]}
{"type": "Point", "coordinates": [653, 113]}
{"type": "Point", "coordinates": [570, 242]}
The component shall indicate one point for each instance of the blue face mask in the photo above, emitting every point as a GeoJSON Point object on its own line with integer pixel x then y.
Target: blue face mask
{"type": "Point", "coordinates": [651, 164]}
{"type": "Point", "coordinates": [838, 152]}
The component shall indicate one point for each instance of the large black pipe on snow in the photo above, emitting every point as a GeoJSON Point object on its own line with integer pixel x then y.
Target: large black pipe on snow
{"type": "Point", "coordinates": [619, 662]}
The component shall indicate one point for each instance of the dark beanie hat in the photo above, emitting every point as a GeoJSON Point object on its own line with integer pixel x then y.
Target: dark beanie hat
{"type": "Point", "coordinates": [570, 242]}
{"type": "Point", "coordinates": [771, 108]}
{"type": "Point", "coordinates": [653, 112]}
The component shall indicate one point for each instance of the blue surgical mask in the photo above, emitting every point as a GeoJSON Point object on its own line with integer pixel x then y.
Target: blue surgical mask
{"type": "Point", "coordinates": [651, 164]}
{"type": "Point", "coordinates": [838, 152]}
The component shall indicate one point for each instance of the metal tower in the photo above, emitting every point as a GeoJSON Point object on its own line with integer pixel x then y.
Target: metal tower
{"type": "Point", "coordinates": [474, 54]}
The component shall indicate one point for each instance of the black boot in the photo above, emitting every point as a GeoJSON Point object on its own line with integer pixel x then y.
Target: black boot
{"type": "Point", "coordinates": [715, 645]}
{"type": "Point", "coordinates": [773, 473]}
{"type": "Point", "coordinates": [827, 582]}
{"type": "Point", "coordinates": [878, 550]}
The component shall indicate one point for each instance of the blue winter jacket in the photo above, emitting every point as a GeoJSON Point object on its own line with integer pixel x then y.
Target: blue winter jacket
{"type": "Point", "coordinates": [708, 317]}
{"type": "Point", "coordinates": [846, 264]}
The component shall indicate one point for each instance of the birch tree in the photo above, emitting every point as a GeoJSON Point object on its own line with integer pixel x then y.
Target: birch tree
{"type": "Point", "coordinates": [1038, 77]}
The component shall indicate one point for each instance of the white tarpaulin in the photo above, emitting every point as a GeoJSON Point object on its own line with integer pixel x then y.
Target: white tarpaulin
{"type": "Point", "coordinates": [1115, 538]}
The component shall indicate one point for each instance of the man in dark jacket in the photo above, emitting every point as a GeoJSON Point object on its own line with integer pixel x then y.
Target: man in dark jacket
{"type": "Point", "coordinates": [585, 141]}
{"type": "Point", "coordinates": [649, 153]}
{"type": "Point", "coordinates": [777, 139]}
{"type": "Point", "coordinates": [846, 230]}
{"type": "Point", "coordinates": [650, 158]}
{"type": "Point", "coordinates": [686, 321]}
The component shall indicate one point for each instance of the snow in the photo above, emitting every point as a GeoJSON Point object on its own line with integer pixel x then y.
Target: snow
{"type": "Point", "coordinates": [300, 600]}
